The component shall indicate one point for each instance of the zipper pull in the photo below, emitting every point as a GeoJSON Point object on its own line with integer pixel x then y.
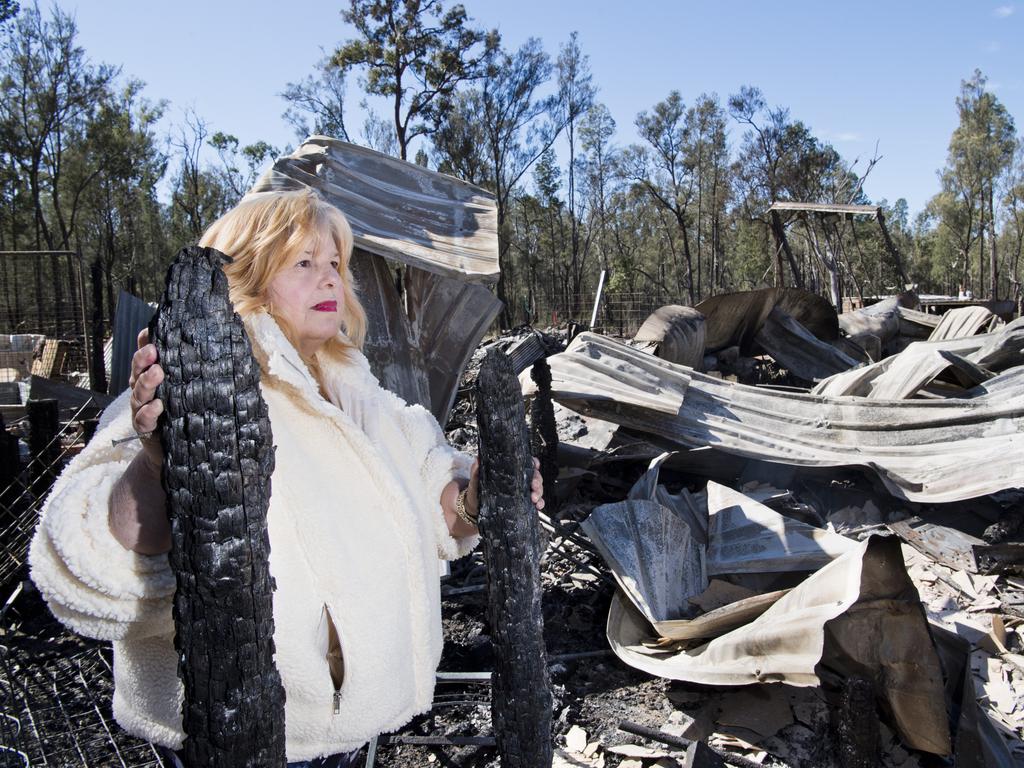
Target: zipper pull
{"type": "Point", "coordinates": [337, 702]}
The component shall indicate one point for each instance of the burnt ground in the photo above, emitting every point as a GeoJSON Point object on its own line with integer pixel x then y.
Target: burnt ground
{"type": "Point", "coordinates": [594, 692]}
{"type": "Point", "coordinates": [55, 688]}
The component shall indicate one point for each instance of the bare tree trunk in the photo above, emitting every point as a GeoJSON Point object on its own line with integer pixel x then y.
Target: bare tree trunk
{"type": "Point", "coordinates": [994, 264]}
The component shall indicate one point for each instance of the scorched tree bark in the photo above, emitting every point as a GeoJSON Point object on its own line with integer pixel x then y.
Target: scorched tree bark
{"type": "Point", "coordinates": [218, 457]}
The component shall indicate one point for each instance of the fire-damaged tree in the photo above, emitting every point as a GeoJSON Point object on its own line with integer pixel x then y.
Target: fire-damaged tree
{"type": "Point", "coordinates": [217, 466]}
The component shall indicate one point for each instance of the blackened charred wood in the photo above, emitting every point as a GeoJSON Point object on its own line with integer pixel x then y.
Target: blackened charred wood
{"type": "Point", "coordinates": [10, 465]}
{"type": "Point", "coordinates": [521, 689]}
{"type": "Point", "coordinates": [855, 721]}
{"type": "Point", "coordinates": [699, 757]}
{"type": "Point", "coordinates": [1008, 526]}
{"type": "Point", "coordinates": [218, 458]}
{"type": "Point", "coordinates": [44, 445]}
{"type": "Point", "coordinates": [97, 371]}
{"type": "Point", "coordinates": [544, 432]}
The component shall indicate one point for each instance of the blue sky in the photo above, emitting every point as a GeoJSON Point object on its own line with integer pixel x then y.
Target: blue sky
{"type": "Point", "coordinates": [856, 73]}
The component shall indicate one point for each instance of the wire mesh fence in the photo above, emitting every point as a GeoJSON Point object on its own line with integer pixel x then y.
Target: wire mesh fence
{"type": "Point", "coordinates": [34, 450]}
{"type": "Point", "coordinates": [55, 692]}
{"type": "Point", "coordinates": [43, 314]}
{"type": "Point", "coordinates": [619, 313]}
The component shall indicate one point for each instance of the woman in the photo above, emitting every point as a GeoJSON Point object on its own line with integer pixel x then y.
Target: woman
{"type": "Point", "coordinates": [365, 495]}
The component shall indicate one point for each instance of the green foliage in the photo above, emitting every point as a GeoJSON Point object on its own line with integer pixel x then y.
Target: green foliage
{"type": "Point", "coordinates": [415, 53]}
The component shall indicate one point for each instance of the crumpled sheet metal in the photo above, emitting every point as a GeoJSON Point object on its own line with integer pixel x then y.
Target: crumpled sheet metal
{"type": "Point", "coordinates": [444, 231]}
{"type": "Point", "coordinates": [674, 333]}
{"type": "Point", "coordinates": [880, 321]}
{"type": "Point", "coordinates": [745, 536]}
{"type": "Point", "coordinates": [684, 504]}
{"type": "Point", "coordinates": [652, 552]}
{"type": "Point", "coordinates": [903, 375]}
{"type": "Point", "coordinates": [922, 450]}
{"type": "Point", "coordinates": [798, 350]}
{"type": "Point", "coordinates": [833, 623]}
{"type": "Point", "coordinates": [965, 321]}
{"type": "Point", "coordinates": [652, 555]}
{"type": "Point", "coordinates": [397, 209]}
{"type": "Point", "coordinates": [733, 319]}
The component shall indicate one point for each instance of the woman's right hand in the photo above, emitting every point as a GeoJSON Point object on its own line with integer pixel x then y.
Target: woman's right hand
{"type": "Point", "coordinates": [137, 513]}
{"type": "Point", "coordinates": [146, 376]}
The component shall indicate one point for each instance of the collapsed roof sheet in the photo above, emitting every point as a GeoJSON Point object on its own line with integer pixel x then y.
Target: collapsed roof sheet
{"type": "Point", "coordinates": [397, 209]}
{"type": "Point", "coordinates": [922, 450]}
{"type": "Point", "coordinates": [424, 322]}
{"type": "Point", "coordinates": [830, 623]}
{"type": "Point", "coordinates": [902, 375]}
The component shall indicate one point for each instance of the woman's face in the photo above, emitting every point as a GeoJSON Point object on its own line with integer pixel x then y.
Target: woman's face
{"type": "Point", "coordinates": [306, 293]}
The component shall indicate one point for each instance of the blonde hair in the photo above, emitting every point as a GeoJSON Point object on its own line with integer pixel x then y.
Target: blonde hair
{"type": "Point", "coordinates": [263, 234]}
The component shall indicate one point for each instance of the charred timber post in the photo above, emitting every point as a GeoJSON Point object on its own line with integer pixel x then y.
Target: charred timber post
{"type": "Point", "coordinates": [97, 371]}
{"type": "Point", "coordinates": [218, 458]}
{"type": "Point", "coordinates": [891, 247]}
{"type": "Point", "coordinates": [521, 690]}
{"type": "Point", "coordinates": [44, 424]}
{"type": "Point", "coordinates": [543, 432]}
{"type": "Point", "coordinates": [782, 241]}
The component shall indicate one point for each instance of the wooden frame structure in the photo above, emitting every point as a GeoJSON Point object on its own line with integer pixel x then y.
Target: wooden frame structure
{"type": "Point", "coordinates": [847, 211]}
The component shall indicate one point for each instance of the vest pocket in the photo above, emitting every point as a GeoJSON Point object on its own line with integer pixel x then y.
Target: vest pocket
{"type": "Point", "coordinates": [335, 658]}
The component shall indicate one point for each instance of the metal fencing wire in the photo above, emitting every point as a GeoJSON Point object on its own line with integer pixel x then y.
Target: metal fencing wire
{"type": "Point", "coordinates": [27, 484]}
{"type": "Point", "coordinates": [43, 314]}
{"type": "Point", "coordinates": [55, 692]}
{"type": "Point", "coordinates": [619, 314]}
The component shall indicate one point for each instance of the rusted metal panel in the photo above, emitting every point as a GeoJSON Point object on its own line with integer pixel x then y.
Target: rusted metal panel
{"type": "Point", "coordinates": [733, 319]}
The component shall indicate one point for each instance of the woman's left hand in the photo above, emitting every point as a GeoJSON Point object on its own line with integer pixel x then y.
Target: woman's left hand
{"type": "Point", "coordinates": [537, 486]}
{"type": "Point", "coordinates": [473, 490]}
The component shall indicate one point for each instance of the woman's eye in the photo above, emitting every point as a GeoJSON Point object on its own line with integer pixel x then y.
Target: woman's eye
{"type": "Point", "coordinates": [304, 263]}
{"type": "Point", "coordinates": [335, 264]}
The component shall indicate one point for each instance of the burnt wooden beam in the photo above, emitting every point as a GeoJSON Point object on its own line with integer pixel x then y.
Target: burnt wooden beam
{"type": "Point", "coordinates": [97, 371]}
{"type": "Point", "coordinates": [218, 458]}
{"type": "Point", "coordinates": [544, 432]}
{"type": "Point", "coordinates": [698, 753]}
{"type": "Point", "coordinates": [44, 446]}
{"type": "Point", "coordinates": [891, 247]}
{"type": "Point", "coordinates": [779, 231]}
{"type": "Point", "coordinates": [521, 688]}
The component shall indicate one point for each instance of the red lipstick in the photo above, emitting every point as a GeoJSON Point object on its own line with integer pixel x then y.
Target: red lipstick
{"type": "Point", "coordinates": [326, 306]}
